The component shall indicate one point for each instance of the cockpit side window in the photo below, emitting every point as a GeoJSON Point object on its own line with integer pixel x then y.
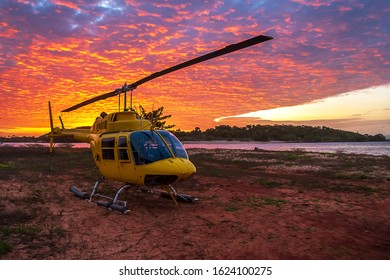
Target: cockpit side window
{"type": "Point", "coordinates": [174, 144]}
{"type": "Point", "coordinates": [122, 148]}
{"type": "Point", "coordinates": [108, 146]}
{"type": "Point", "coordinates": [148, 147]}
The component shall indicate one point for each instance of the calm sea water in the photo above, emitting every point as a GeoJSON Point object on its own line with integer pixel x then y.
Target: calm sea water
{"type": "Point", "coordinates": [370, 148]}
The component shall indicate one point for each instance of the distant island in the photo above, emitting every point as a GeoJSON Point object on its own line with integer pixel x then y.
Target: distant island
{"type": "Point", "coordinates": [286, 133]}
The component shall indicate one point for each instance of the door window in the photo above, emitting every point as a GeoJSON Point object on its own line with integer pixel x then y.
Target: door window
{"type": "Point", "coordinates": [122, 148]}
{"type": "Point", "coordinates": [108, 146]}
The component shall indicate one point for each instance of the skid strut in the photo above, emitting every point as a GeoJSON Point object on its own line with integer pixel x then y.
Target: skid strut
{"type": "Point", "coordinates": [112, 203]}
{"type": "Point", "coordinates": [115, 204]}
{"type": "Point", "coordinates": [172, 193]}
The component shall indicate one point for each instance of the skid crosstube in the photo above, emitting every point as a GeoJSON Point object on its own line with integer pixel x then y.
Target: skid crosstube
{"type": "Point", "coordinates": [179, 197]}
{"type": "Point", "coordinates": [113, 203]}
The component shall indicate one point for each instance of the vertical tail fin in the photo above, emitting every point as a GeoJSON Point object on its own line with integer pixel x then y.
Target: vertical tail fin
{"type": "Point", "coordinates": [51, 118]}
{"type": "Point", "coordinates": [51, 129]}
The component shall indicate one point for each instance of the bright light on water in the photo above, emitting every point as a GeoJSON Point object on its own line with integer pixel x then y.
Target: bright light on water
{"type": "Point", "coordinates": [369, 148]}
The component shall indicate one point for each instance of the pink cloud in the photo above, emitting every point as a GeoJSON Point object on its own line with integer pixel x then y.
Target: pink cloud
{"type": "Point", "coordinates": [315, 3]}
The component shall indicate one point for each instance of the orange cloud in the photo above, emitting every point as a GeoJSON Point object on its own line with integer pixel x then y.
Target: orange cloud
{"type": "Point", "coordinates": [68, 4]}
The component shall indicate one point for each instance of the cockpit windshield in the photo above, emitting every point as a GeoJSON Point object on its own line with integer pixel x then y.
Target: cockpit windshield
{"type": "Point", "coordinates": [174, 144]}
{"type": "Point", "coordinates": [148, 147]}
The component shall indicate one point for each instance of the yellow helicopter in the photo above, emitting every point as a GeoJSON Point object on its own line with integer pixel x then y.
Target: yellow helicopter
{"type": "Point", "coordinates": [129, 149]}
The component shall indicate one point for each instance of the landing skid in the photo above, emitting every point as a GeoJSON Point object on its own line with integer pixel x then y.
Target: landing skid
{"type": "Point", "coordinates": [113, 203]}
{"type": "Point", "coordinates": [172, 193]}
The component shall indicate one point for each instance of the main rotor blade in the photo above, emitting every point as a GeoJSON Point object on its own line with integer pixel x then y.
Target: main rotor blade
{"type": "Point", "coordinates": [94, 99]}
{"type": "Point", "coordinates": [214, 54]}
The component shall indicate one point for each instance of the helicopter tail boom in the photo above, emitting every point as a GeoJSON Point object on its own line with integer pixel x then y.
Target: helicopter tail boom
{"type": "Point", "coordinates": [82, 135]}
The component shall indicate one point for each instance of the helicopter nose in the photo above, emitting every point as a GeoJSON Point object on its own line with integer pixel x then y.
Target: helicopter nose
{"type": "Point", "coordinates": [185, 168]}
{"type": "Point", "coordinates": [167, 171]}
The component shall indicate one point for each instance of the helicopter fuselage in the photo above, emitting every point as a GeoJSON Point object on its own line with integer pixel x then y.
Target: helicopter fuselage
{"type": "Point", "coordinates": [142, 157]}
{"type": "Point", "coordinates": [126, 149]}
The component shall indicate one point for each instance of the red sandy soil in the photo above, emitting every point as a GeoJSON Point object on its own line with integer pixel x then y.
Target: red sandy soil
{"type": "Point", "coordinates": [296, 214]}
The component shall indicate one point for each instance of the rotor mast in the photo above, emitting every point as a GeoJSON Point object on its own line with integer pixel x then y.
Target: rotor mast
{"type": "Point", "coordinates": [124, 91]}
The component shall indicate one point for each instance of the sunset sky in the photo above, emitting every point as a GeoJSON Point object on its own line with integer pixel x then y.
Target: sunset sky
{"type": "Point", "coordinates": [328, 64]}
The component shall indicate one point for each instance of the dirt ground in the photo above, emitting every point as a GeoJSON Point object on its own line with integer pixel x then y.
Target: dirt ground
{"type": "Point", "coordinates": [252, 205]}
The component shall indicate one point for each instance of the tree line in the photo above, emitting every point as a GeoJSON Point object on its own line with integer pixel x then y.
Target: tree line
{"type": "Point", "coordinates": [276, 133]}
{"type": "Point", "coordinates": [250, 133]}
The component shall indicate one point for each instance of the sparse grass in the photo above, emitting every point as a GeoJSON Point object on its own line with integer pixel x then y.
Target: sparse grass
{"type": "Point", "coordinates": [367, 190]}
{"type": "Point", "coordinates": [39, 160]}
{"type": "Point", "coordinates": [20, 230]}
{"type": "Point", "coordinates": [54, 231]}
{"type": "Point", "coordinates": [273, 201]}
{"type": "Point", "coordinates": [15, 217]}
{"type": "Point", "coordinates": [253, 202]}
{"type": "Point", "coordinates": [210, 224]}
{"type": "Point", "coordinates": [267, 183]}
{"type": "Point", "coordinates": [5, 247]}
{"type": "Point", "coordinates": [232, 208]}
{"type": "Point", "coordinates": [329, 165]}
{"type": "Point", "coordinates": [5, 166]}
{"type": "Point", "coordinates": [214, 171]}
{"type": "Point", "coordinates": [308, 229]}
{"type": "Point", "coordinates": [351, 176]}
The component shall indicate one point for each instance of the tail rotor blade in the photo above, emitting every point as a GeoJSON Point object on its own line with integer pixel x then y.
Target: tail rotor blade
{"type": "Point", "coordinates": [62, 123]}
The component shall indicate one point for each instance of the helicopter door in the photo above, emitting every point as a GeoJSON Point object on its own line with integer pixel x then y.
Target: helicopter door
{"type": "Point", "coordinates": [124, 160]}
{"type": "Point", "coordinates": [109, 162]}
